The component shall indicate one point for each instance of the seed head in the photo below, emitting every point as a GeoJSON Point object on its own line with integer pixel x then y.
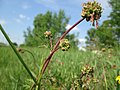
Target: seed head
{"type": "Point", "coordinates": [64, 44]}
{"type": "Point", "coordinates": [87, 70]}
{"type": "Point", "coordinates": [92, 12]}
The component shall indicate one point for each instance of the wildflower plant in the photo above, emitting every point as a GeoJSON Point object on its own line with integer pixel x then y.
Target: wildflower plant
{"type": "Point", "coordinates": [87, 77]}
{"type": "Point", "coordinates": [91, 12]}
{"type": "Point", "coordinates": [86, 80]}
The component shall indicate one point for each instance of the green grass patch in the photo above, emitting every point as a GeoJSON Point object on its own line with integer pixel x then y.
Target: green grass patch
{"type": "Point", "coordinates": [63, 71]}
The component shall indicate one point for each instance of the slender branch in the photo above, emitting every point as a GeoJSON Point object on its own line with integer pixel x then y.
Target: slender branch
{"type": "Point", "coordinates": [48, 60]}
{"type": "Point", "coordinates": [67, 31]}
{"type": "Point", "coordinates": [18, 55]}
{"type": "Point", "coordinates": [44, 66]}
{"type": "Point", "coordinates": [35, 65]}
{"type": "Point", "coordinates": [56, 46]}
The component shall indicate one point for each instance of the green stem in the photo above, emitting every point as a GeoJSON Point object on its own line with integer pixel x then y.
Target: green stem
{"type": "Point", "coordinates": [18, 55]}
{"type": "Point", "coordinates": [39, 78]}
{"type": "Point", "coordinates": [39, 82]}
{"type": "Point", "coordinates": [57, 44]}
{"type": "Point", "coordinates": [104, 75]}
{"type": "Point", "coordinates": [66, 32]}
{"type": "Point", "coordinates": [35, 65]}
{"type": "Point", "coordinates": [118, 72]}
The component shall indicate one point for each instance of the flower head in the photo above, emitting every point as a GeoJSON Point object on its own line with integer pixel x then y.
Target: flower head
{"type": "Point", "coordinates": [87, 70]}
{"type": "Point", "coordinates": [118, 79]}
{"type": "Point", "coordinates": [48, 34]}
{"type": "Point", "coordinates": [92, 12]}
{"type": "Point", "coordinates": [64, 44]}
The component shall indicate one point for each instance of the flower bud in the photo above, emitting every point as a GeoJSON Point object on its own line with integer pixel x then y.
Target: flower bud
{"type": "Point", "coordinates": [64, 44]}
{"type": "Point", "coordinates": [48, 34]}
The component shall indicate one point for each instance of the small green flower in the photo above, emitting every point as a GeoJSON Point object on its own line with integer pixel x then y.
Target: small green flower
{"type": "Point", "coordinates": [118, 79]}
{"type": "Point", "coordinates": [64, 44]}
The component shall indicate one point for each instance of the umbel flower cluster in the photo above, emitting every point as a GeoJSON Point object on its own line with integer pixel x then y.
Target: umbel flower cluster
{"type": "Point", "coordinates": [64, 44]}
{"type": "Point", "coordinates": [92, 12]}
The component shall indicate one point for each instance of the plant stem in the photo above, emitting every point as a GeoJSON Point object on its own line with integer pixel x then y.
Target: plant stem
{"type": "Point", "coordinates": [54, 50]}
{"type": "Point", "coordinates": [104, 73]}
{"type": "Point", "coordinates": [67, 31]}
{"type": "Point", "coordinates": [47, 61]}
{"type": "Point", "coordinates": [18, 55]}
{"type": "Point", "coordinates": [35, 65]}
{"type": "Point", "coordinates": [56, 46]}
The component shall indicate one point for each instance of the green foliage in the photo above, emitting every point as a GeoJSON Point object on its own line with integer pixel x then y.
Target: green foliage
{"type": "Point", "coordinates": [63, 72]}
{"type": "Point", "coordinates": [2, 44]}
{"type": "Point", "coordinates": [54, 22]}
{"type": "Point", "coordinates": [29, 40]}
{"type": "Point", "coordinates": [115, 17]}
{"type": "Point", "coordinates": [103, 36]}
{"type": "Point", "coordinates": [108, 34]}
{"type": "Point", "coordinates": [115, 14]}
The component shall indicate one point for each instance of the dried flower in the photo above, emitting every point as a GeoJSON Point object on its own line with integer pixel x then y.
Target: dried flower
{"type": "Point", "coordinates": [92, 12]}
{"type": "Point", "coordinates": [64, 44]}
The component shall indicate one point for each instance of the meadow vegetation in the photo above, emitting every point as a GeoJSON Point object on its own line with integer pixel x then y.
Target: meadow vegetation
{"type": "Point", "coordinates": [43, 67]}
{"type": "Point", "coordinates": [63, 72]}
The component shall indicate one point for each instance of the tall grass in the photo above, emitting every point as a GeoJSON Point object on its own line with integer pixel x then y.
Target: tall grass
{"type": "Point", "coordinates": [63, 71]}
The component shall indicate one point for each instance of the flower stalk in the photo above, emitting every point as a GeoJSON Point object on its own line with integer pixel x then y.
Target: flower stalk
{"type": "Point", "coordinates": [91, 12]}
{"type": "Point", "coordinates": [25, 50]}
{"type": "Point", "coordinates": [56, 46]}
